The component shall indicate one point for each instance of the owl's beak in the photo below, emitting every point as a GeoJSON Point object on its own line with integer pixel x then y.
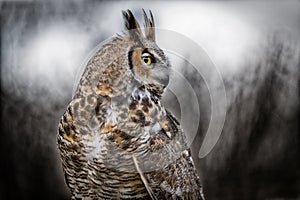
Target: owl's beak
{"type": "Point", "coordinates": [161, 76]}
{"type": "Point", "coordinates": [161, 79]}
{"type": "Point", "coordinates": [165, 80]}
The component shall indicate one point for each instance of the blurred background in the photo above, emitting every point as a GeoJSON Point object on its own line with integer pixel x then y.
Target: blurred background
{"type": "Point", "coordinates": [255, 45]}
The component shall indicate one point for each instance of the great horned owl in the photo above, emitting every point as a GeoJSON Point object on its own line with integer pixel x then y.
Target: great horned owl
{"type": "Point", "coordinates": [116, 139]}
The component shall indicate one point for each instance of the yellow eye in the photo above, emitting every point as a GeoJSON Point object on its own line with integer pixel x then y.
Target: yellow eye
{"type": "Point", "coordinates": [147, 60]}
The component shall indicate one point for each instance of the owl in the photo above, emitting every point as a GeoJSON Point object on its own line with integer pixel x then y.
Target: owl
{"type": "Point", "coordinates": [116, 139]}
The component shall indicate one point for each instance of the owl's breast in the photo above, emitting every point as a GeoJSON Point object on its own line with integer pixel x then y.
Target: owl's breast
{"type": "Point", "coordinates": [128, 124]}
{"type": "Point", "coordinates": [145, 108]}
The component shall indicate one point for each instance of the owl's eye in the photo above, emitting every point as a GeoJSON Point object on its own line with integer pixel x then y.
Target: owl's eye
{"type": "Point", "coordinates": [146, 58]}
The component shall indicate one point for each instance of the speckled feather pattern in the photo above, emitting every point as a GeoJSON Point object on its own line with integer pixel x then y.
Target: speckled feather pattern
{"type": "Point", "coordinates": [115, 116]}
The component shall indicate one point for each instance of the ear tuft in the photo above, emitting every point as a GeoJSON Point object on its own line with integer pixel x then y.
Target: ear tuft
{"type": "Point", "coordinates": [132, 24]}
{"type": "Point", "coordinates": [149, 26]}
{"type": "Point", "coordinates": [134, 29]}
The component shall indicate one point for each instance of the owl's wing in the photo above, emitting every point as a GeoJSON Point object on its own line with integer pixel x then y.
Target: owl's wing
{"type": "Point", "coordinates": [178, 179]}
{"type": "Point", "coordinates": [69, 144]}
{"type": "Point", "coordinates": [73, 130]}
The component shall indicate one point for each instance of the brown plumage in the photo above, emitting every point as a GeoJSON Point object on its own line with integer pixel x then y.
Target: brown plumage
{"type": "Point", "coordinates": [116, 139]}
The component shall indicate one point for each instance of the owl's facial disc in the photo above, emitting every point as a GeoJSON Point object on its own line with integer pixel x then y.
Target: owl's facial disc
{"type": "Point", "coordinates": [149, 66]}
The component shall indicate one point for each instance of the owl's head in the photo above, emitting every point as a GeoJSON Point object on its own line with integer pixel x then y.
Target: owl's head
{"type": "Point", "coordinates": [147, 62]}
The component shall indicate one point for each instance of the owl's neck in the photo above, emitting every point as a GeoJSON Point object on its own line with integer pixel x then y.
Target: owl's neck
{"type": "Point", "coordinates": [103, 73]}
{"type": "Point", "coordinates": [156, 90]}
